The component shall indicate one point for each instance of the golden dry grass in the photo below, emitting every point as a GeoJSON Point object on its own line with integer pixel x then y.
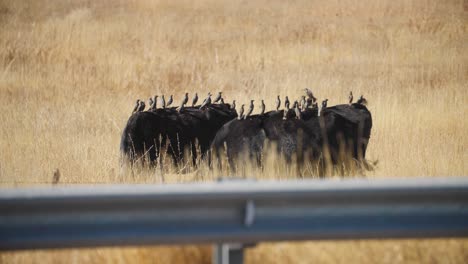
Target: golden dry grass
{"type": "Point", "coordinates": [70, 72]}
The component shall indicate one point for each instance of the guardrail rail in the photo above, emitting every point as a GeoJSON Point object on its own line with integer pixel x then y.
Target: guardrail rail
{"type": "Point", "coordinates": [232, 214]}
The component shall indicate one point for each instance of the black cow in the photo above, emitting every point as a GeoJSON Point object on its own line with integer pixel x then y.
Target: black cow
{"type": "Point", "coordinates": [151, 132]}
{"type": "Point", "coordinates": [348, 128]}
{"type": "Point", "coordinates": [241, 136]}
{"type": "Point", "coordinates": [340, 127]}
{"type": "Point", "coordinates": [291, 136]}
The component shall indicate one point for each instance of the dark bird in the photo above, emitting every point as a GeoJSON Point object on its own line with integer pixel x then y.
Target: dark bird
{"type": "Point", "coordinates": [169, 102]}
{"type": "Point", "coordinates": [155, 103]}
{"type": "Point", "coordinates": [150, 101]}
{"type": "Point", "coordinates": [163, 102]}
{"type": "Point", "coordinates": [324, 103]}
{"type": "Point", "coordinates": [350, 97]}
{"type": "Point", "coordinates": [262, 108]}
{"type": "Point", "coordinates": [185, 100]}
{"type": "Point", "coordinates": [233, 106]}
{"type": "Point", "coordinates": [141, 107]}
{"type": "Point", "coordinates": [135, 109]}
{"type": "Point", "coordinates": [286, 103]}
{"type": "Point", "coordinates": [303, 102]}
{"type": "Point", "coordinates": [278, 103]}
{"type": "Point", "coordinates": [251, 108]}
{"type": "Point", "coordinates": [207, 101]}
{"type": "Point", "coordinates": [195, 99]}
{"type": "Point", "coordinates": [362, 100]}
{"type": "Point", "coordinates": [297, 111]}
{"type": "Point", "coordinates": [310, 94]}
{"type": "Point", "coordinates": [218, 97]}
{"type": "Point", "coordinates": [181, 107]}
{"type": "Point", "coordinates": [240, 115]}
{"type": "Point", "coordinates": [314, 105]}
{"type": "Point", "coordinates": [308, 103]}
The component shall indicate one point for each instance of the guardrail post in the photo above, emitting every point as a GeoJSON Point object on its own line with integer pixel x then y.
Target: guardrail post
{"type": "Point", "coordinates": [233, 253]}
{"type": "Point", "coordinates": [228, 254]}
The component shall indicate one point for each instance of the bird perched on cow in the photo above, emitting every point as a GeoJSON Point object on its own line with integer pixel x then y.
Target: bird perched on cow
{"type": "Point", "coordinates": [310, 95]}
{"type": "Point", "coordinates": [350, 97]}
{"type": "Point", "coordinates": [362, 100]}
{"type": "Point", "coordinates": [218, 97]}
{"type": "Point", "coordinates": [233, 105]}
{"type": "Point", "coordinates": [169, 102]}
{"type": "Point", "coordinates": [194, 100]}
{"type": "Point", "coordinates": [285, 114]}
{"type": "Point", "coordinates": [303, 103]}
{"type": "Point", "coordinates": [315, 105]}
{"type": "Point", "coordinates": [207, 101]}
{"type": "Point", "coordinates": [286, 103]}
{"type": "Point", "coordinates": [278, 103]}
{"type": "Point", "coordinates": [150, 103]}
{"type": "Point", "coordinates": [324, 103]}
{"type": "Point", "coordinates": [155, 103]}
{"type": "Point", "coordinates": [308, 103]}
{"type": "Point", "coordinates": [163, 102]}
{"type": "Point", "coordinates": [182, 104]}
{"type": "Point", "coordinates": [137, 105]}
{"type": "Point", "coordinates": [251, 108]}
{"type": "Point", "coordinates": [240, 115]}
{"type": "Point", "coordinates": [262, 108]}
{"type": "Point", "coordinates": [185, 99]}
{"type": "Point", "coordinates": [181, 107]}
{"type": "Point", "coordinates": [141, 107]}
{"type": "Point", "coordinates": [297, 111]}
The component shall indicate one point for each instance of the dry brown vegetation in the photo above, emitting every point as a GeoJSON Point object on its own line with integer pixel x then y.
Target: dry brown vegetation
{"type": "Point", "coordinates": [70, 72]}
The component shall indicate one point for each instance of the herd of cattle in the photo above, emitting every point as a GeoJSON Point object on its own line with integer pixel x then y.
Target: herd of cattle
{"type": "Point", "coordinates": [302, 131]}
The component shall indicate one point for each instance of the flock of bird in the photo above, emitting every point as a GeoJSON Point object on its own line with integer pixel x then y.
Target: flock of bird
{"type": "Point", "coordinates": [308, 101]}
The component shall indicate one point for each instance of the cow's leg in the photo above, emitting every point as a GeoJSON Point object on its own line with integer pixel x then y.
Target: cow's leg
{"type": "Point", "coordinates": [173, 149]}
{"type": "Point", "coordinates": [153, 154]}
{"type": "Point", "coordinates": [204, 148]}
{"type": "Point", "coordinates": [232, 157]}
{"type": "Point", "coordinates": [194, 153]}
{"type": "Point", "coordinates": [232, 164]}
{"type": "Point", "coordinates": [160, 149]}
{"type": "Point", "coordinates": [176, 158]}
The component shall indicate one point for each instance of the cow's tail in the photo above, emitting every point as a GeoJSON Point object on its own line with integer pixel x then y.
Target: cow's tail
{"type": "Point", "coordinates": [218, 143]}
{"type": "Point", "coordinates": [127, 147]}
{"type": "Point", "coordinates": [125, 142]}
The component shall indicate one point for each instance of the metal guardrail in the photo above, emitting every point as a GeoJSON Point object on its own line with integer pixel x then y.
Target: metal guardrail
{"type": "Point", "coordinates": [232, 212]}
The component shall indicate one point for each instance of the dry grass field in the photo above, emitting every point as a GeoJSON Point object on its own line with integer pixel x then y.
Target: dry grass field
{"type": "Point", "coordinates": [71, 70]}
